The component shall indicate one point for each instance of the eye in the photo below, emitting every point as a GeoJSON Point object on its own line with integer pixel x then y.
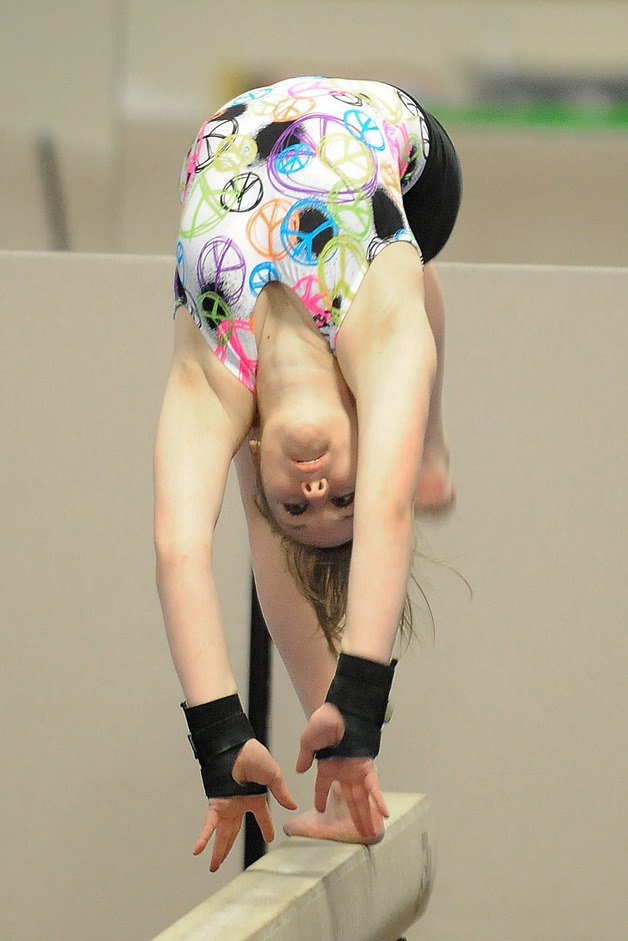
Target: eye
{"type": "Point", "coordinates": [342, 502]}
{"type": "Point", "coordinates": [295, 509]}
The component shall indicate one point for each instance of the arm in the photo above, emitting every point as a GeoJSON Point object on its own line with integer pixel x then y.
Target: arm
{"type": "Point", "coordinates": [196, 439]}
{"type": "Point", "coordinates": [291, 621]}
{"type": "Point", "coordinates": [194, 445]}
{"type": "Point", "coordinates": [387, 353]}
{"type": "Point", "coordinates": [297, 635]}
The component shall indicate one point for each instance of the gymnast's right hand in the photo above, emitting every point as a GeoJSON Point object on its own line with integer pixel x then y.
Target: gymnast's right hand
{"type": "Point", "coordinates": [225, 814]}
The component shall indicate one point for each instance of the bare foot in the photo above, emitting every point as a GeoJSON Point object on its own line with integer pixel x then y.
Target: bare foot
{"type": "Point", "coordinates": [435, 489]}
{"type": "Point", "coordinates": [334, 824]}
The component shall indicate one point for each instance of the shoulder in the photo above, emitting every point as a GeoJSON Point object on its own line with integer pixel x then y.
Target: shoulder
{"type": "Point", "coordinates": [197, 366]}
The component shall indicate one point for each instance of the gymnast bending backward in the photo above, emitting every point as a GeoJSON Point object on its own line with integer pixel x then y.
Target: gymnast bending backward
{"type": "Point", "coordinates": [308, 350]}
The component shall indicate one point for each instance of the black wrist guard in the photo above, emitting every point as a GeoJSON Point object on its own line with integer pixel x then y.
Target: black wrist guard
{"type": "Point", "coordinates": [359, 690]}
{"type": "Point", "coordinates": [218, 730]}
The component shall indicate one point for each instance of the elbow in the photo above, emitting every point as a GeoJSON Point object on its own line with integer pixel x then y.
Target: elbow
{"type": "Point", "coordinates": [389, 535]}
{"type": "Point", "coordinates": [177, 566]}
{"type": "Point", "coordinates": [427, 362]}
{"type": "Point", "coordinates": [166, 559]}
{"type": "Point", "coordinates": [164, 542]}
{"type": "Point", "coordinates": [401, 515]}
{"type": "Point", "coordinates": [175, 551]}
{"type": "Point", "coordinates": [396, 518]}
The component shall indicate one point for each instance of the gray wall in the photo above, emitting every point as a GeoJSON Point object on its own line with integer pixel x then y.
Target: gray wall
{"type": "Point", "coordinates": [513, 721]}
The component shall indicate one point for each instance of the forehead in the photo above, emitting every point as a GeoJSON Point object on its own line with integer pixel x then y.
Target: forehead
{"type": "Point", "coordinates": [318, 534]}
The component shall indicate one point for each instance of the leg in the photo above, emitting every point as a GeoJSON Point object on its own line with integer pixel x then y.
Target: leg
{"type": "Point", "coordinates": [435, 487]}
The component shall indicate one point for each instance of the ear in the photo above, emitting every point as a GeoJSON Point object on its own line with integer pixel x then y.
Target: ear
{"type": "Point", "coordinates": [254, 447]}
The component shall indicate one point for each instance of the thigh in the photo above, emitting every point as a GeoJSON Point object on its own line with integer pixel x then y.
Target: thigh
{"type": "Point", "coordinates": [432, 204]}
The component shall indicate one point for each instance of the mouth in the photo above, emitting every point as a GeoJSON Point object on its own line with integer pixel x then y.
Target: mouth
{"type": "Point", "coordinates": [309, 466]}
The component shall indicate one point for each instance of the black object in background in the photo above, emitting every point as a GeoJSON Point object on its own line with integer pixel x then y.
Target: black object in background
{"type": "Point", "coordinates": [258, 710]}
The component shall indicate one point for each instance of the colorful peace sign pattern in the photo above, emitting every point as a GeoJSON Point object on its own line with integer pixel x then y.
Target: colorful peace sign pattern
{"type": "Point", "coordinates": [298, 182]}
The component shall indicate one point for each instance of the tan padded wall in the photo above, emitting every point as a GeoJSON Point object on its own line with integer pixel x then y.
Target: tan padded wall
{"type": "Point", "coordinates": [102, 801]}
{"type": "Point", "coordinates": [514, 722]}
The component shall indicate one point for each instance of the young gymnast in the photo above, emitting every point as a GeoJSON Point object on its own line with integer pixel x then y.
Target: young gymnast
{"type": "Point", "coordinates": [313, 359]}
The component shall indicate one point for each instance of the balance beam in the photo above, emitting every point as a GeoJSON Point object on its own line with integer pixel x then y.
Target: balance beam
{"type": "Point", "coordinates": [317, 890]}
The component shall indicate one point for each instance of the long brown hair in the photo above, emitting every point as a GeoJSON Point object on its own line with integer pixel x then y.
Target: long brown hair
{"type": "Point", "coordinates": [322, 577]}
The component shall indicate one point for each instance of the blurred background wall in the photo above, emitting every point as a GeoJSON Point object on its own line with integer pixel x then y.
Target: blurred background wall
{"type": "Point", "coordinates": [110, 93]}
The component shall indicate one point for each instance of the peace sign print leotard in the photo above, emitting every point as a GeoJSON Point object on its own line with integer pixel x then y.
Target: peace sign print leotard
{"type": "Point", "coordinates": [299, 182]}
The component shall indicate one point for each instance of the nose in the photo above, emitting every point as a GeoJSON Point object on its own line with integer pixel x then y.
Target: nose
{"type": "Point", "coordinates": [314, 489]}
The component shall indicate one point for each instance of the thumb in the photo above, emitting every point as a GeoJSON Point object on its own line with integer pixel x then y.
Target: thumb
{"type": "Point", "coordinates": [280, 792]}
{"type": "Point", "coordinates": [304, 760]}
{"type": "Point", "coordinates": [278, 788]}
{"type": "Point", "coordinates": [263, 769]}
{"type": "Point", "coordinates": [326, 727]}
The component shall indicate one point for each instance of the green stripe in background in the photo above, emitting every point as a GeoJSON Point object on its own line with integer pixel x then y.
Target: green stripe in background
{"type": "Point", "coordinates": [543, 116]}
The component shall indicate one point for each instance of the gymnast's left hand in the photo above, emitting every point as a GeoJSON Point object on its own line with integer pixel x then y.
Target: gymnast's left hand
{"type": "Point", "coordinates": [357, 777]}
